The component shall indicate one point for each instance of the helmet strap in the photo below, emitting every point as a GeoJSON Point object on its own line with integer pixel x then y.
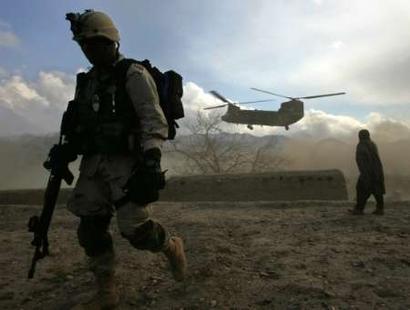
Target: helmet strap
{"type": "Point", "coordinates": [117, 48]}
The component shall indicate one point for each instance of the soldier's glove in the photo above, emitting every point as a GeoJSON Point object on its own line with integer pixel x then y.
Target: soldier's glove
{"type": "Point", "coordinates": [59, 156]}
{"type": "Point", "coordinates": [144, 184]}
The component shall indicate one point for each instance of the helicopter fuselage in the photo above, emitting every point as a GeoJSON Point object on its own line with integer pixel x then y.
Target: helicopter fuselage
{"type": "Point", "coordinates": [289, 113]}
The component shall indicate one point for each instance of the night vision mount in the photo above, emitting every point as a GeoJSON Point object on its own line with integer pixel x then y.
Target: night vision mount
{"type": "Point", "coordinates": [74, 19]}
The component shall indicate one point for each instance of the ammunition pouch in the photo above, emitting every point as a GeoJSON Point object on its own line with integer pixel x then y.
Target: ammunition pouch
{"type": "Point", "coordinates": [87, 136]}
{"type": "Point", "coordinates": [108, 138]}
{"type": "Point", "coordinates": [101, 121]}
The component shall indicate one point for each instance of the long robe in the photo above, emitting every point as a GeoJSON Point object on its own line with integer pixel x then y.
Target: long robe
{"type": "Point", "coordinates": [371, 179]}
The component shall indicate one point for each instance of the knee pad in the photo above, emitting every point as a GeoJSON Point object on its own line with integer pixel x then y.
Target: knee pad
{"type": "Point", "coordinates": [93, 235]}
{"type": "Point", "coordinates": [148, 236]}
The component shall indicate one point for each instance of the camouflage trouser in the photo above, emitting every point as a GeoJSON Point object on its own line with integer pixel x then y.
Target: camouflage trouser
{"type": "Point", "coordinates": [98, 187]}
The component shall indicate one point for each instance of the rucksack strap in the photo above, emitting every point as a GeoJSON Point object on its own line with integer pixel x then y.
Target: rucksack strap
{"type": "Point", "coordinates": [121, 69]}
{"type": "Point", "coordinates": [169, 87]}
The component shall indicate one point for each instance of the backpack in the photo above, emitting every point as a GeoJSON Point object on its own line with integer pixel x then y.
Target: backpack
{"type": "Point", "coordinates": [169, 87]}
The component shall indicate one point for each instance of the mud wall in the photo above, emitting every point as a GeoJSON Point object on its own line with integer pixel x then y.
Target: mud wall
{"type": "Point", "coordinates": [289, 185]}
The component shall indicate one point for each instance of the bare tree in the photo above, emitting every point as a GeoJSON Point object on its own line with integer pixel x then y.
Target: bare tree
{"type": "Point", "coordinates": [208, 150]}
{"type": "Point", "coordinates": [266, 158]}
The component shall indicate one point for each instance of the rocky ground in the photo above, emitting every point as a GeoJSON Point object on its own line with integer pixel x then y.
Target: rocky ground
{"type": "Point", "coordinates": [299, 255]}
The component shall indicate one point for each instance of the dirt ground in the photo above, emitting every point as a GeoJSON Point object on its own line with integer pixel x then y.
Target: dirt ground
{"type": "Point", "coordinates": [299, 255]}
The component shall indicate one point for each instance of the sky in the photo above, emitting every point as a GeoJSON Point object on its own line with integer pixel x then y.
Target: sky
{"type": "Point", "coordinates": [295, 48]}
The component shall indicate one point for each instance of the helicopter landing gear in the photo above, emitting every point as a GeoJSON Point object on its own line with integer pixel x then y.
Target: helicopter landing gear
{"type": "Point", "coordinates": [250, 127]}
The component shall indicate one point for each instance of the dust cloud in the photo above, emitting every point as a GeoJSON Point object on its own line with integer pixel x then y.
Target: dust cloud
{"type": "Point", "coordinates": [393, 144]}
{"type": "Point", "coordinates": [21, 157]}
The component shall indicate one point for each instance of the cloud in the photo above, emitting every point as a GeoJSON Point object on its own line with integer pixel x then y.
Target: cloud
{"type": "Point", "coordinates": [196, 98]}
{"type": "Point", "coordinates": [40, 102]}
{"type": "Point", "coordinates": [7, 37]}
{"type": "Point", "coordinates": [388, 129]}
{"type": "Point", "coordinates": [17, 93]}
{"type": "Point", "coordinates": [56, 87]}
{"type": "Point", "coordinates": [322, 125]}
{"type": "Point", "coordinates": [371, 61]}
{"type": "Point", "coordinates": [315, 124]}
{"type": "Point", "coordinates": [3, 73]}
{"type": "Point", "coordinates": [300, 47]}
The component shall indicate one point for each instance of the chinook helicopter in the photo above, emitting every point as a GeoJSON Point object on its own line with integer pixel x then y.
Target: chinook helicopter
{"type": "Point", "coordinates": [289, 112]}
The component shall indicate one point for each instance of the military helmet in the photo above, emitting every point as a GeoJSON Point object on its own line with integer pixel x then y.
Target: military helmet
{"type": "Point", "coordinates": [91, 24]}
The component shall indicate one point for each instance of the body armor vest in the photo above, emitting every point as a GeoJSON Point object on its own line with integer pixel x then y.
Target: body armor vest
{"type": "Point", "coordinates": [106, 121]}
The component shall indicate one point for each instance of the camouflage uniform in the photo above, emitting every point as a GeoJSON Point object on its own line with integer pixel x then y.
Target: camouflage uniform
{"type": "Point", "coordinates": [102, 176]}
{"type": "Point", "coordinates": [118, 121]}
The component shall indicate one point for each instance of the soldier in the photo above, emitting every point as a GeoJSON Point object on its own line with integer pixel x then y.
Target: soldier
{"type": "Point", "coordinates": [371, 179]}
{"type": "Point", "coordinates": [118, 126]}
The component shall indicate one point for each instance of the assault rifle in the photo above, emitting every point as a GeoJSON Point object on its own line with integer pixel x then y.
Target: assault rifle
{"type": "Point", "coordinates": [57, 164]}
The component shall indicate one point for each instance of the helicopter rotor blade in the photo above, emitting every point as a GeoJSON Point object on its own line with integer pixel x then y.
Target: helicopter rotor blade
{"type": "Point", "coordinates": [318, 96]}
{"type": "Point", "coordinates": [216, 107]}
{"type": "Point", "coordinates": [270, 93]}
{"type": "Point", "coordinates": [255, 101]}
{"type": "Point", "coordinates": [219, 96]}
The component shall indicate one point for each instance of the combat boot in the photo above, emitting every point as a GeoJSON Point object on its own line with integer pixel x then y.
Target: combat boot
{"type": "Point", "coordinates": [103, 268]}
{"type": "Point", "coordinates": [106, 298]}
{"type": "Point", "coordinates": [174, 251]}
